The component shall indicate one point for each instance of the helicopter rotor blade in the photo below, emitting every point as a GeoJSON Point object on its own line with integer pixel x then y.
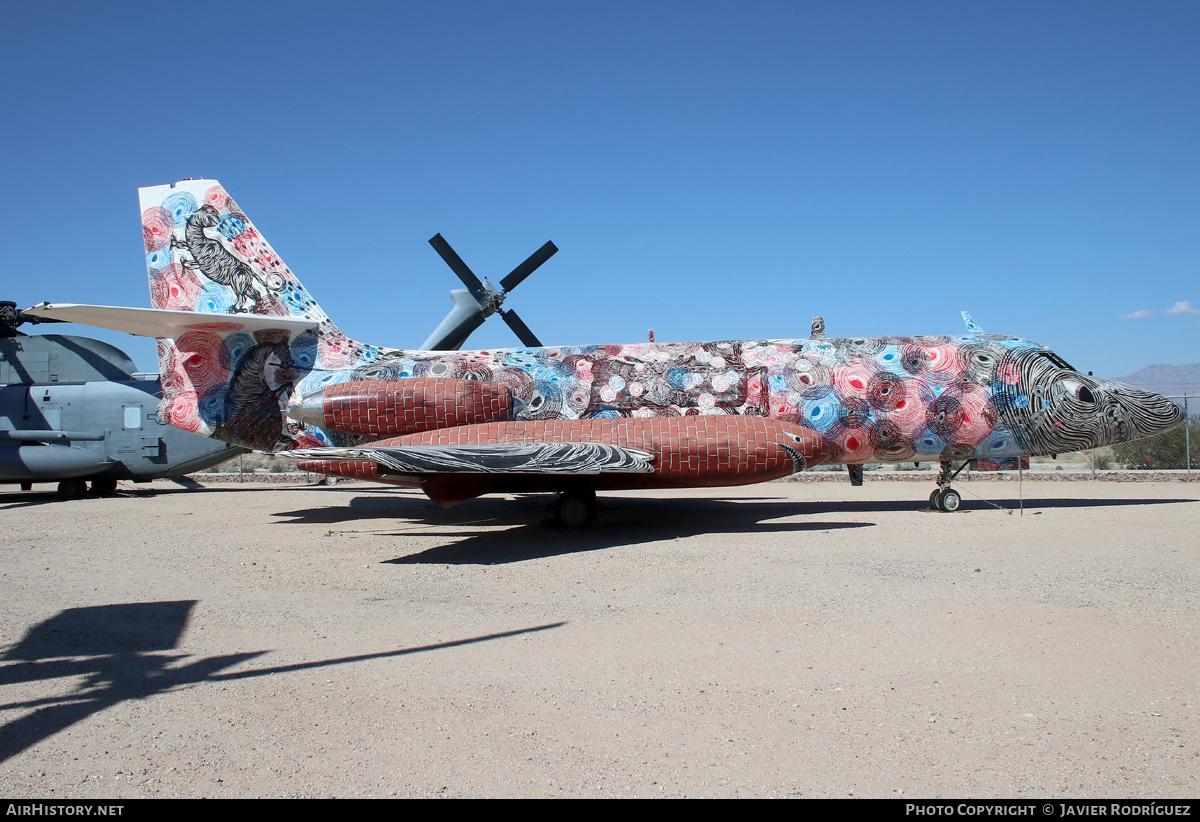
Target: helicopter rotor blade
{"type": "Point", "coordinates": [521, 330]}
{"type": "Point", "coordinates": [456, 264]}
{"type": "Point", "coordinates": [518, 274]}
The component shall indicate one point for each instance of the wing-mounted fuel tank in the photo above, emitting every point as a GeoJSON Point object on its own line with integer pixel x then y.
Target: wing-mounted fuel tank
{"type": "Point", "coordinates": [394, 408]}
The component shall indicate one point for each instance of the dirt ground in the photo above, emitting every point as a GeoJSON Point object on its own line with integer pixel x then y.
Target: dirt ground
{"type": "Point", "coordinates": [778, 640]}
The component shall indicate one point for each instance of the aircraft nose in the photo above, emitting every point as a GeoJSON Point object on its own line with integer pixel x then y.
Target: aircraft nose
{"type": "Point", "coordinates": [1144, 413]}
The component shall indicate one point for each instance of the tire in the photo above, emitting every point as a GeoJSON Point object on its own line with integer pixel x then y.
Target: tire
{"type": "Point", "coordinates": [951, 501]}
{"type": "Point", "coordinates": [574, 511]}
{"type": "Point", "coordinates": [104, 486]}
{"type": "Point", "coordinates": [72, 489]}
{"type": "Point", "coordinates": [935, 500]}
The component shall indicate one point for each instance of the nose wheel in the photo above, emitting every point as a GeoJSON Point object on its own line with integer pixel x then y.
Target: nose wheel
{"type": "Point", "coordinates": [946, 498]}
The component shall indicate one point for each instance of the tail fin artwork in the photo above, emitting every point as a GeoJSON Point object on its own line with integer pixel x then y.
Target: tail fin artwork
{"type": "Point", "coordinates": [204, 255]}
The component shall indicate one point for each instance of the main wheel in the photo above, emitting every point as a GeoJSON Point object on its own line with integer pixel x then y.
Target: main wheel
{"type": "Point", "coordinates": [576, 510]}
{"type": "Point", "coordinates": [935, 500]}
{"type": "Point", "coordinates": [72, 489]}
{"type": "Point", "coordinates": [104, 486]}
{"type": "Point", "coordinates": [951, 500]}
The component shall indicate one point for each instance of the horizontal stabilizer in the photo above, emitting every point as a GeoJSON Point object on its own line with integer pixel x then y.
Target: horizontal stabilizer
{"type": "Point", "coordinates": [155, 322]}
{"type": "Point", "coordinates": [573, 458]}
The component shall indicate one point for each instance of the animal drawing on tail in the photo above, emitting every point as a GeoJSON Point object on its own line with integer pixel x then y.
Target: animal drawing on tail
{"type": "Point", "coordinates": [209, 239]}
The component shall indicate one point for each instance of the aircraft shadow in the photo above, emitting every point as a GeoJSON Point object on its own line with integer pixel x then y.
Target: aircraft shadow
{"type": "Point", "coordinates": [494, 530]}
{"type": "Point", "coordinates": [123, 652]}
{"type": "Point", "coordinates": [522, 535]}
{"type": "Point", "coordinates": [23, 499]}
{"type": "Point", "coordinates": [1015, 503]}
{"type": "Point", "coordinates": [970, 503]}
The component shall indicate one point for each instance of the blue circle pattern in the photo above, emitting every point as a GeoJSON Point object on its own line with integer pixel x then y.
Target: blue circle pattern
{"type": "Point", "coordinates": [180, 206]}
{"type": "Point", "coordinates": [158, 260]}
{"type": "Point", "coordinates": [822, 413]}
{"type": "Point", "coordinates": [304, 351]}
{"type": "Point", "coordinates": [215, 298]}
{"type": "Point", "coordinates": [231, 226]}
{"type": "Point", "coordinates": [212, 406]}
{"type": "Point", "coordinates": [237, 345]}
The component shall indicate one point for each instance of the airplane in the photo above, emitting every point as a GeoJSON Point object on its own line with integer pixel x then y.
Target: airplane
{"type": "Point", "coordinates": [74, 410]}
{"type": "Point", "coordinates": [248, 357]}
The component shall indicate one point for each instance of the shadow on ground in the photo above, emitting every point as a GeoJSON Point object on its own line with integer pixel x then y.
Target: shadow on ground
{"type": "Point", "coordinates": [496, 530]}
{"type": "Point", "coordinates": [124, 652]}
{"type": "Point", "coordinates": [493, 530]}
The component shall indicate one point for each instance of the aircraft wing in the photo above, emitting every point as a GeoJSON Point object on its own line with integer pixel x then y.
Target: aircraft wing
{"type": "Point", "coordinates": [504, 458]}
{"type": "Point", "coordinates": [156, 322]}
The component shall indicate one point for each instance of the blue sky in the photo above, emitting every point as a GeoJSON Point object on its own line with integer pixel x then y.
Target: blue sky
{"type": "Point", "coordinates": [709, 170]}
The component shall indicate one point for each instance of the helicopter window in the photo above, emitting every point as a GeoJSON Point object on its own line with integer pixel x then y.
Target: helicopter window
{"type": "Point", "coordinates": [1085, 394]}
{"type": "Point", "coordinates": [133, 416]}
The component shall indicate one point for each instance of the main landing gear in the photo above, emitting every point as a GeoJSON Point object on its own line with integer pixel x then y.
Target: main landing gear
{"type": "Point", "coordinates": [946, 498]}
{"type": "Point", "coordinates": [76, 488]}
{"type": "Point", "coordinates": [72, 489]}
{"type": "Point", "coordinates": [104, 486]}
{"type": "Point", "coordinates": [572, 509]}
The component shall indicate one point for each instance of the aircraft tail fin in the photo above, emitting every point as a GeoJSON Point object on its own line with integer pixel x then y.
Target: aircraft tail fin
{"type": "Point", "coordinates": [231, 379]}
{"type": "Point", "coordinates": [204, 254]}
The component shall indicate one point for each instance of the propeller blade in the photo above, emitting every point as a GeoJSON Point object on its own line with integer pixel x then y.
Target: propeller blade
{"type": "Point", "coordinates": [526, 268]}
{"type": "Point", "coordinates": [456, 264]}
{"type": "Point", "coordinates": [520, 329]}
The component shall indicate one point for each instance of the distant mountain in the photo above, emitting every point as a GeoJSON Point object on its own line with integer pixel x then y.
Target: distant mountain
{"type": "Point", "coordinates": [1170, 380]}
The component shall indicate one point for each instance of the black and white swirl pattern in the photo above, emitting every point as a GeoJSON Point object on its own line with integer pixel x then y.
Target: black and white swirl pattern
{"type": "Point", "coordinates": [502, 458]}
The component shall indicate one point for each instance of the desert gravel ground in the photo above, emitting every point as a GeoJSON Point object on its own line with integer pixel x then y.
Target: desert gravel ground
{"type": "Point", "coordinates": [807, 640]}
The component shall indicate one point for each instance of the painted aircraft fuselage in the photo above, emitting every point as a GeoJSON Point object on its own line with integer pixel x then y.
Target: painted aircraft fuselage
{"type": "Point", "coordinates": [714, 413]}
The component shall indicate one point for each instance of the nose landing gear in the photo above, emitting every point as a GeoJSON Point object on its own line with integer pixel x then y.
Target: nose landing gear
{"type": "Point", "coordinates": [946, 498]}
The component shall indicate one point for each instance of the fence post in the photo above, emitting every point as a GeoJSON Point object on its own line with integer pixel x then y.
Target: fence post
{"type": "Point", "coordinates": [1187, 436]}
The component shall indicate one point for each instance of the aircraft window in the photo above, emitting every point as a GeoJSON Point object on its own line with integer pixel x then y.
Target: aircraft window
{"type": "Point", "coordinates": [1085, 394]}
{"type": "Point", "coordinates": [1056, 361]}
{"type": "Point", "coordinates": [133, 416]}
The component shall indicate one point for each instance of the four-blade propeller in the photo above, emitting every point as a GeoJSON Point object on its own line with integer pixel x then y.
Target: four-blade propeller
{"type": "Point", "coordinates": [481, 299]}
